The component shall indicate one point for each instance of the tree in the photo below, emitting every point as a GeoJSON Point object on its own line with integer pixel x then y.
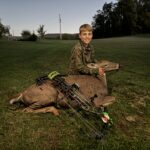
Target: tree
{"type": "Point", "coordinates": [4, 30]}
{"type": "Point", "coordinates": [98, 24]}
{"type": "Point", "coordinates": [128, 13]}
{"type": "Point", "coordinates": [126, 17]}
{"type": "Point", "coordinates": [33, 37]}
{"type": "Point", "coordinates": [26, 34]}
{"type": "Point", "coordinates": [120, 18]}
{"type": "Point", "coordinates": [41, 31]}
{"type": "Point", "coordinates": [143, 19]}
{"type": "Point", "coordinates": [104, 21]}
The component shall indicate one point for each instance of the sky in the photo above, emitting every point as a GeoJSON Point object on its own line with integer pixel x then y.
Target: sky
{"type": "Point", "coordinates": [30, 14]}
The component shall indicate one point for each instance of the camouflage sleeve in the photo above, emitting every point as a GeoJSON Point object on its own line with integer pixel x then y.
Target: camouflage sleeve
{"type": "Point", "coordinates": [80, 66]}
{"type": "Point", "coordinates": [93, 55]}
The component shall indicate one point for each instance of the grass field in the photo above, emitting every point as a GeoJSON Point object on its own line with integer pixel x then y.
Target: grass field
{"type": "Point", "coordinates": [22, 62]}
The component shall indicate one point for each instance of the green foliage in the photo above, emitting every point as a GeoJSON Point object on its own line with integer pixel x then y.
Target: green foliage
{"type": "Point", "coordinates": [128, 13]}
{"type": "Point", "coordinates": [41, 31]}
{"type": "Point", "coordinates": [126, 17]}
{"type": "Point", "coordinates": [143, 11]}
{"type": "Point", "coordinates": [33, 37]}
{"type": "Point", "coordinates": [27, 36]}
{"type": "Point", "coordinates": [22, 62]}
{"type": "Point", "coordinates": [4, 30]}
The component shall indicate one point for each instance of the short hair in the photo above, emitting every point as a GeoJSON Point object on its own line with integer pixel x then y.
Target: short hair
{"type": "Point", "coordinates": [85, 27]}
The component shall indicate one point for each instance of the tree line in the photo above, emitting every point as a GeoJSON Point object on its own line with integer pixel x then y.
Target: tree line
{"type": "Point", "coordinates": [26, 35]}
{"type": "Point", "coordinates": [125, 17]}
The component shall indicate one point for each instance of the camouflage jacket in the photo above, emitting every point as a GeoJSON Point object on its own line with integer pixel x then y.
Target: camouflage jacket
{"type": "Point", "coordinates": [80, 57]}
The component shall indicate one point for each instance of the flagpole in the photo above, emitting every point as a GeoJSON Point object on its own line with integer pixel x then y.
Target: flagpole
{"type": "Point", "coordinates": [60, 27]}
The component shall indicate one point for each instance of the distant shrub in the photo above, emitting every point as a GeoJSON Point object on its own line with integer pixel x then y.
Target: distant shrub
{"type": "Point", "coordinates": [25, 34]}
{"type": "Point", "coordinates": [32, 37]}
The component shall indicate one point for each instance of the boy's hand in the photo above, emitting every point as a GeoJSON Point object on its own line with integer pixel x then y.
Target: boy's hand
{"type": "Point", "coordinates": [101, 71]}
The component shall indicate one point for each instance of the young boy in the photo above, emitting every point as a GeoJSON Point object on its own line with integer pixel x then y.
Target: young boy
{"type": "Point", "coordinates": [83, 53]}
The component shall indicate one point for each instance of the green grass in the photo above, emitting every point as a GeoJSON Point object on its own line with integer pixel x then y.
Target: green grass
{"type": "Point", "coordinates": [22, 62]}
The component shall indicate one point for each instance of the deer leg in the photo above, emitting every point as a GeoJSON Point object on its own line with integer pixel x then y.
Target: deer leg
{"type": "Point", "coordinates": [49, 109]}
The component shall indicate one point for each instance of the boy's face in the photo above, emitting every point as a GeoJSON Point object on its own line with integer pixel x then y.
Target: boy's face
{"type": "Point", "coordinates": [86, 36]}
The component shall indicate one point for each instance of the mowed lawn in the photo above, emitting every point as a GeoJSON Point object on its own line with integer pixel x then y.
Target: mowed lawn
{"type": "Point", "coordinates": [22, 62]}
